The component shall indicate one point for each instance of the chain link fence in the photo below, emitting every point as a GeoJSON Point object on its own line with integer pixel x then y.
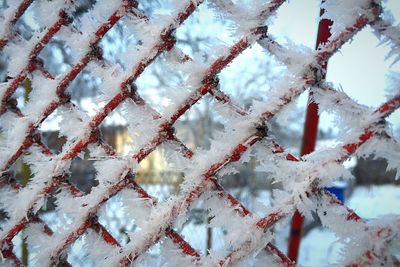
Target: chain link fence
{"type": "Point", "coordinates": [116, 221]}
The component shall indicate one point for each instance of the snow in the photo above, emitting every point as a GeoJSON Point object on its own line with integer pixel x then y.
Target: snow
{"type": "Point", "coordinates": [319, 248]}
{"type": "Point", "coordinates": [159, 218]}
{"type": "Point", "coordinates": [18, 53]}
{"type": "Point", "coordinates": [6, 16]}
{"type": "Point", "coordinates": [296, 58]}
{"type": "Point", "coordinates": [381, 147]}
{"type": "Point", "coordinates": [237, 132]}
{"type": "Point", "coordinates": [43, 18]}
{"type": "Point", "coordinates": [40, 243]}
{"type": "Point", "coordinates": [345, 14]}
{"type": "Point", "coordinates": [34, 109]}
{"type": "Point", "coordinates": [109, 172]}
{"type": "Point", "coordinates": [110, 77]}
{"type": "Point", "coordinates": [19, 49]}
{"type": "Point", "coordinates": [350, 118]}
{"type": "Point", "coordinates": [100, 13]}
{"type": "Point", "coordinates": [246, 15]}
{"type": "Point", "coordinates": [15, 128]}
{"type": "Point", "coordinates": [142, 126]}
{"type": "Point", "coordinates": [13, 134]}
{"type": "Point", "coordinates": [81, 35]}
{"type": "Point", "coordinates": [83, 247]}
{"type": "Point", "coordinates": [3, 88]}
{"type": "Point", "coordinates": [74, 123]}
{"type": "Point", "coordinates": [322, 247]}
{"type": "Point", "coordinates": [387, 32]}
{"type": "Point", "coordinates": [319, 168]}
{"type": "Point", "coordinates": [173, 255]}
{"type": "Point", "coordinates": [43, 169]}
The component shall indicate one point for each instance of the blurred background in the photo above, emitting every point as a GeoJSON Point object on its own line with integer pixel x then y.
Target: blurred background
{"type": "Point", "coordinates": [362, 69]}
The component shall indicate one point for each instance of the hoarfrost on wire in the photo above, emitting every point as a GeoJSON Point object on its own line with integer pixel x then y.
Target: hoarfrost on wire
{"type": "Point", "coordinates": [345, 13]}
{"type": "Point", "coordinates": [152, 219]}
{"type": "Point", "coordinates": [18, 49]}
{"type": "Point", "coordinates": [6, 16]}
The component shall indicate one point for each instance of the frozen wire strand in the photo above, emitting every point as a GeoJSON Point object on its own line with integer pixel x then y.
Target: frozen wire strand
{"type": "Point", "coordinates": [82, 227]}
{"type": "Point", "coordinates": [386, 233]}
{"type": "Point", "coordinates": [213, 70]}
{"type": "Point", "coordinates": [341, 98]}
{"type": "Point", "coordinates": [186, 200]}
{"type": "Point", "coordinates": [273, 217]}
{"type": "Point", "coordinates": [239, 207]}
{"type": "Point", "coordinates": [324, 52]}
{"type": "Point", "coordinates": [215, 92]}
{"type": "Point", "coordinates": [241, 147]}
{"type": "Point", "coordinates": [164, 45]}
{"type": "Point", "coordinates": [186, 152]}
{"type": "Point", "coordinates": [9, 25]}
{"type": "Point", "coordinates": [210, 75]}
{"type": "Point", "coordinates": [176, 238]}
{"type": "Point", "coordinates": [390, 33]}
{"type": "Point", "coordinates": [284, 259]}
{"type": "Point", "coordinates": [382, 112]}
{"type": "Point", "coordinates": [279, 51]}
{"type": "Point", "coordinates": [69, 154]}
{"type": "Point", "coordinates": [369, 259]}
{"type": "Point", "coordinates": [9, 254]}
{"type": "Point", "coordinates": [103, 232]}
{"type": "Point", "coordinates": [387, 29]}
{"type": "Point", "coordinates": [114, 18]}
{"type": "Point", "coordinates": [99, 228]}
{"type": "Point", "coordinates": [68, 78]}
{"type": "Point", "coordinates": [32, 62]}
{"type": "Point", "coordinates": [277, 149]}
{"type": "Point", "coordinates": [242, 210]}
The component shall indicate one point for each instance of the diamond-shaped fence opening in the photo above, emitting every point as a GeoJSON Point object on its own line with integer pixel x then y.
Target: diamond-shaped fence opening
{"type": "Point", "coordinates": [58, 54]}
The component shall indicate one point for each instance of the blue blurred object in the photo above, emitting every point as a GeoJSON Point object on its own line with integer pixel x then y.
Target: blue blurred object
{"type": "Point", "coordinates": [338, 190]}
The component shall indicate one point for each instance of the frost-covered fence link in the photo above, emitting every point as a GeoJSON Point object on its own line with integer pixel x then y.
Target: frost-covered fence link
{"type": "Point", "coordinates": [246, 135]}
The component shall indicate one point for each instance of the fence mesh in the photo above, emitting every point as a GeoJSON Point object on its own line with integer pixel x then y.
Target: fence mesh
{"type": "Point", "coordinates": [151, 222]}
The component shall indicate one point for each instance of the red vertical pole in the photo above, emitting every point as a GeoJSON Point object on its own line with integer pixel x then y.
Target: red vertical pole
{"type": "Point", "coordinates": [309, 139]}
